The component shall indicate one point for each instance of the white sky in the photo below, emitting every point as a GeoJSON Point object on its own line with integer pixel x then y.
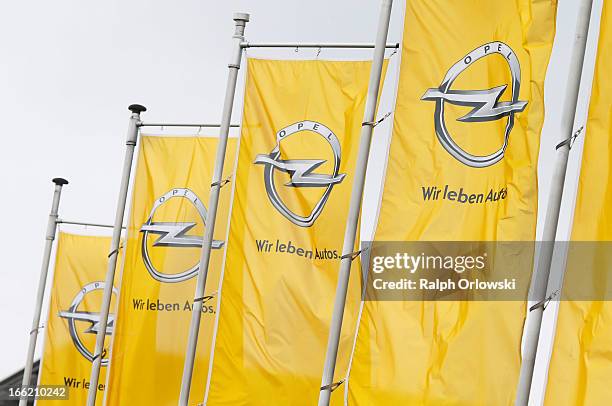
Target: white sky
{"type": "Point", "coordinates": [70, 68]}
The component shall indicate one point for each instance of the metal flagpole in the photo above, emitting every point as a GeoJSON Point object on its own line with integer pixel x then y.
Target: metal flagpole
{"type": "Point", "coordinates": [51, 227]}
{"type": "Point", "coordinates": [234, 66]}
{"type": "Point", "coordinates": [130, 143]}
{"type": "Point", "coordinates": [541, 277]}
{"type": "Point", "coordinates": [355, 204]}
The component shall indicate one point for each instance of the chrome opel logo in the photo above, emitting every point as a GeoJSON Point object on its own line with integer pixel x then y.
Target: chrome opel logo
{"type": "Point", "coordinates": [173, 234]}
{"type": "Point", "coordinates": [485, 103]}
{"type": "Point", "coordinates": [301, 171]}
{"type": "Point", "coordinates": [74, 314]}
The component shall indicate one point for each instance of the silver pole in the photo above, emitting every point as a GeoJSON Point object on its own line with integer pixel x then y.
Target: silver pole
{"type": "Point", "coordinates": [346, 45]}
{"type": "Point", "coordinates": [542, 274]}
{"type": "Point", "coordinates": [355, 204]}
{"type": "Point", "coordinates": [99, 352]}
{"type": "Point", "coordinates": [234, 66]}
{"type": "Point", "coordinates": [44, 270]}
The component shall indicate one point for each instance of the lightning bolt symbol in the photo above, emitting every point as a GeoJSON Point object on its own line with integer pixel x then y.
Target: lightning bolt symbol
{"type": "Point", "coordinates": [487, 106]}
{"type": "Point", "coordinates": [173, 235]}
{"type": "Point", "coordinates": [93, 318]}
{"type": "Point", "coordinates": [300, 171]}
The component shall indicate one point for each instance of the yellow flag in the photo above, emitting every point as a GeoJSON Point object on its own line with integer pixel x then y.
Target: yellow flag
{"type": "Point", "coordinates": [171, 190]}
{"type": "Point", "coordinates": [300, 136]}
{"type": "Point", "coordinates": [76, 297]}
{"type": "Point", "coordinates": [581, 364]}
{"type": "Point", "coordinates": [462, 167]}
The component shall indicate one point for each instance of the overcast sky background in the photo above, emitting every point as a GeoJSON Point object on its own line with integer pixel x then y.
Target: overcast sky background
{"type": "Point", "coordinates": [70, 68]}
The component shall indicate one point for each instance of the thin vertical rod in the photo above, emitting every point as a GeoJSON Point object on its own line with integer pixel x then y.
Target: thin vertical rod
{"type": "Point", "coordinates": [355, 204]}
{"type": "Point", "coordinates": [42, 282]}
{"type": "Point", "coordinates": [99, 352]}
{"type": "Point", "coordinates": [234, 66]}
{"type": "Point", "coordinates": [541, 277]}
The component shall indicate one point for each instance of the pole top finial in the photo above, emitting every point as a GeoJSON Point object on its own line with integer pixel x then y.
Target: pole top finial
{"type": "Point", "coordinates": [242, 17]}
{"type": "Point", "coordinates": [137, 108]}
{"type": "Point", "coordinates": [60, 181]}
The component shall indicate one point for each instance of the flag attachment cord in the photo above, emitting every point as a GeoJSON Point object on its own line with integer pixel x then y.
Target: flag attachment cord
{"type": "Point", "coordinates": [333, 386]}
{"type": "Point", "coordinates": [222, 182]}
{"type": "Point", "coordinates": [544, 303]}
{"type": "Point", "coordinates": [36, 329]}
{"type": "Point", "coordinates": [353, 255]}
{"type": "Point", "coordinates": [571, 140]}
{"type": "Point", "coordinates": [116, 250]}
{"type": "Point", "coordinates": [375, 123]}
{"type": "Point", "coordinates": [101, 355]}
{"type": "Point", "coordinates": [205, 299]}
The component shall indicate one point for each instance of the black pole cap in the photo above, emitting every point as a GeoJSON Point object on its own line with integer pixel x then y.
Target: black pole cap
{"type": "Point", "coordinates": [137, 108]}
{"type": "Point", "coordinates": [242, 17]}
{"type": "Point", "coordinates": [60, 181]}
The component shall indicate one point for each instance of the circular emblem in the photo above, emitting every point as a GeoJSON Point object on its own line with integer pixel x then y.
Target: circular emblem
{"type": "Point", "coordinates": [485, 103]}
{"type": "Point", "coordinates": [301, 171]}
{"type": "Point", "coordinates": [74, 314]}
{"type": "Point", "coordinates": [173, 234]}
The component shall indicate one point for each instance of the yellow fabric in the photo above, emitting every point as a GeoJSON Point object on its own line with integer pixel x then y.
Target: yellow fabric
{"type": "Point", "coordinates": [276, 306]}
{"type": "Point", "coordinates": [456, 353]}
{"type": "Point", "coordinates": [81, 263]}
{"type": "Point", "coordinates": [149, 344]}
{"type": "Point", "coordinates": [581, 364]}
